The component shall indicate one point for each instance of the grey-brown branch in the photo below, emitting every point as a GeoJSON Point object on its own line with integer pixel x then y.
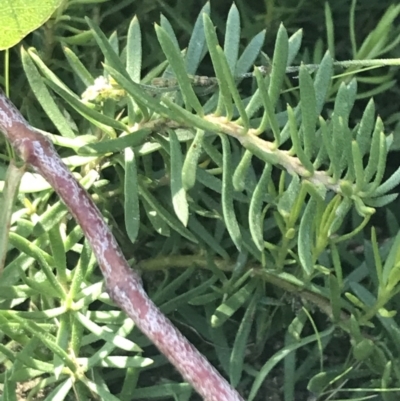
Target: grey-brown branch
{"type": "Point", "coordinates": [123, 284]}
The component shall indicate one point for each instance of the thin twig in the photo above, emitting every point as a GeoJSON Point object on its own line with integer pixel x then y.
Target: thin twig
{"type": "Point", "coordinates": [123, 284]}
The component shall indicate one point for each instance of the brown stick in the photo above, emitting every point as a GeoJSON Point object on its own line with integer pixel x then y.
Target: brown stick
{"type": "Point", "coordinates": [123, 284]}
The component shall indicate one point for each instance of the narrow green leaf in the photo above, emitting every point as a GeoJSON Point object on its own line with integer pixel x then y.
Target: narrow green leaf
{"type": "Point", "coordinates": [241, 171]}
{"type": "Point", "coordinates": [113, 59]}
{"type": "Point", "coordinates": [43, 96]}
{"type": "Point", "coordinates": [278, 356]}
{"type": "Point", "coordinates": [256, 218]}
{"type": "Point", "coordinates": [375, 150]}
{"type": "Point", "coordinates": [240, 345]}
{"type": "Point", "coordinates": [337, 144]}
{"type": "Point", "coordinates": [190, 119]}
{"type": "Point", "coordinates": [330, 33]}
{"type": "Point", "coordinates": [269, 116]}
{"type": "Point", "coordinates": [250, 54]}
{"type": "Point", "coordinates": [44, 336]}
{"type": "Point", "coordinates": [167, 27]}
{"type": "Point", "coordinates": [114, 43]}
{"type": "Point", "coordinates": [233, 303]}
{"type": "Point", "coordinates": [168, 291]}
{"type": "Point", "coordinates": [137, 92]}
{"type": "Point", "coordinates": [306, 238]}
{"type": "Point", "coordinates": [244, 119]}
{"type": "Point", "coordinates": [232, 37]}
{"type": "Point", "coordinates": [224, 101]}
{"type": "Point", "coordinates": [341, 213]}
{"type": "Point", "coordinates": [177, 64]}
{"type": "Point", "coordinates": [80, 70]}
{"type": "Point", "coordinates": [134, 50]}
{"type": "Point", "coordinates": [389, 184]}
{"type": "Point", "coordinates": [173, 303]}
{"type": "Point", "coordinates": [308, 112]}
{"type": "Point", "coordinates": [358, 166]}
{"type": "Point", "coordinates": [42, 258]}
{"type": "Point", "coordinates": [227, 198]}
{"type": "Point", "coordinates": [298, 150]}
{"type": "Point", "coordinates": [361, 207]}
{"type": "Point", "coordinates": [380, 170]}
{"type": "Point", "coordinates": [7, 202]}
{"type": "Point", "coordinates": [319, 382]}
{"type": "Point", "coordinates": [159, 224]}
{"type": "Point", "coordinates": [131, 193]}
{"type": "Point", "coordinates": [59, 253]}
{"type": "Point", "coordinates": [133, 139]}
{"type": "Point", "coordinates": [204, 235]}
{"type": "Point", "coordinates": [178, 193]}
{"type": "Point", "coordinates": [10, 387]}
{"type": "Point", "coordinates": [197, 42]}
{"type": "Point", "coordinates": [212, 151]}
{"type": "Point", "coordinates": [191, 161]}
{"type": "Point", "coordinates": [392, 259]}
{"type": "Point", "coordinates": [335, 297]}
{"type": "Point", "coordinates": [294, 46]}
{"type": "Point", "coordinates": [94, 116]}
{"type": "Point", "coordinates": [279, 63]}
{"type": "Point", "coordinates": [171, 220]}
{"type": "Point", "coordinates": [322, 81]}
{"type": "Point", "coordinates": [366, 127]}
{"type": "Point", "coordinates": [289, 197]}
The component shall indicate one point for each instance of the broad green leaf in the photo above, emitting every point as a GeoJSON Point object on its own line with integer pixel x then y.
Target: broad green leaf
{"type": "Point", "coordinates": [18, 18]}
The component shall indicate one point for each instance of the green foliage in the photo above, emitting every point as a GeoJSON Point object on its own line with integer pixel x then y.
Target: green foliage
{"type": "Point", "coordinates": [237, 195]}
{"type": "Point", "coordinates": [20, 17]}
